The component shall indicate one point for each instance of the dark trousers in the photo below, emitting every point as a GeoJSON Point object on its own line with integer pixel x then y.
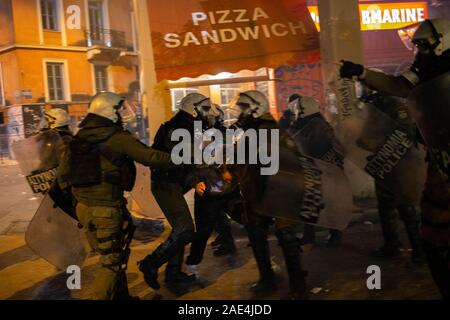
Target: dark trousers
{"type": "Point", "coordinates": [208, 210]}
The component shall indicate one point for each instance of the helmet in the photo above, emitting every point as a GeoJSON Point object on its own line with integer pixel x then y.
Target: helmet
{"type": "Point", "coordinates": [57, 118]}
{"type": "Point", "coordinates": [253, 102]}
{"type": "Point", "coordinates": [433, 36]}
{"type": "Point", "coordinates": [106, 104]}
{"type": "Point", "coordinates": [196, 105]}
{"type": "Point", "coordinates": [303, 107]}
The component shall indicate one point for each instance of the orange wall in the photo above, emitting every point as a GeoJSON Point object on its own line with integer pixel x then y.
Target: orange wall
{"type": "Point", "coordinates": [32, 76]}
{"type": "Point", "coordinates": [6, 26]}
{"type": "Point", "coordinates": [11, 79]}
{"type": "Point", "coordinates": [26, 21]}
{"type": "Point", "coordinates": [23, 68]}
{"type": "Point", "coordinates": [120, 18]}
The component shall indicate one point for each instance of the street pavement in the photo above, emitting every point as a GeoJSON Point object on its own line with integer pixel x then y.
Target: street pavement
{"type": "Point", "coordinates": [333, 273]}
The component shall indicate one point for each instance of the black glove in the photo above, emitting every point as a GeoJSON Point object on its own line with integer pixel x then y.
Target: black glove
{"type": "Point", "coordinates": [349, 69]}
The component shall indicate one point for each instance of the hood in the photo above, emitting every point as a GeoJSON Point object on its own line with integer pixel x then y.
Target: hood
{"type": "Point", "coordinates": [95, 128]}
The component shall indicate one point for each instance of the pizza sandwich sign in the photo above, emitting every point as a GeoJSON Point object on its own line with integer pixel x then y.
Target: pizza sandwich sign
{"type": "Point", "coordinates": [192, 37]}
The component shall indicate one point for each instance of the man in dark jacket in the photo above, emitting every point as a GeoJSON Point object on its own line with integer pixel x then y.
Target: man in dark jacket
{"type": "Point", "coordinates": [168, 187]}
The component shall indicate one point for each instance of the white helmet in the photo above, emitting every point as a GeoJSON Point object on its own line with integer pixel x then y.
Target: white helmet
{"type": "Point", "coordinates": [57, 118]}
{"type": "Point", "coordinates": [196, 105]}
{"type": "Point", "coordinates": [303, 107]}
{"type": "Point", "coordinates": [107, 105]}
{"type": "Point", "coordinates": [253, 102]}
{"type": "Point", "coordinates": [433, 36]}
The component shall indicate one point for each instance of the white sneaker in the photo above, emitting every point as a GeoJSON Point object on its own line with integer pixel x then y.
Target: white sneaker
{"type": "Point", "coordinates": [192, 268]}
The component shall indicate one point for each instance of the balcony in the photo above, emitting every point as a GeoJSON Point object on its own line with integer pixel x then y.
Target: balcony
{"type": "Point", "coordinates": [105, 45]}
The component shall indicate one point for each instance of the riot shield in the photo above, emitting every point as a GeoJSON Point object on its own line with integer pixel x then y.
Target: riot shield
{"type": "Point", "coordinates": [378, 145]}
{"type": "Point", "coordinates": [316, 140]}
{"type": "Point", "coordinates": [55, 236]}
{"type": "Point", "coordinates": [52, 234]}
{"type": "Point", "coordinates": [143, 195]}
{"type": "Point", "coordinates": [308, 190]}
{"type": "Point", "coordinates": [38, 159]}
{"type": "Point", "coordinates": [429, 105]}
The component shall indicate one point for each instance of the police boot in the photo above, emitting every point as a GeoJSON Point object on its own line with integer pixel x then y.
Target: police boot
{"type": "Point", "coordinates": [411, 220]}
{"type": "Point", "coordinates": [260, 247]}
{"type": "Point", "coordinates": [290, 246]}
{"type": "Point", "coordinates": [165, 251]}
{"type": "Point", "coordinates": [391, 247]}
{"type": "Point", "coordinates": [174, 275]}
{"type": "Point", "coordinates": [149, 267]}
{"type": "Point", "coordinates": [122, 293]}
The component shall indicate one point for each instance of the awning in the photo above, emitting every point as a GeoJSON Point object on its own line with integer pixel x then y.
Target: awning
{"type": "Point", "coordinates": [195, 37]}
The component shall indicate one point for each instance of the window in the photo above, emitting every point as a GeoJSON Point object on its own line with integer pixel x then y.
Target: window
{"type": "Point", "coordinates": [101, 78]}
{"type": "Point", "coordinates": [227, 93]}
{"type": "Point", "coordinates": [49, 9]}
{"type": "Point", "coordinates": [55, 80]}
{"type": "Point", "coordinates": [2, 91]}
{"type": "Point", "coordinates": [98, 35]}
{"type": "Point", "coordinates": [178, 94]}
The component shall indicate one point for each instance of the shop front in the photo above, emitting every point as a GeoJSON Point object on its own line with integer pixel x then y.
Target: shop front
{"type": "Point", "coordinates": [220, 48]}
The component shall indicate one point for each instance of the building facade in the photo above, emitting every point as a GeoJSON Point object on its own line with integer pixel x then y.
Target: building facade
{"type": "Point", "coordinates": [58, 54]}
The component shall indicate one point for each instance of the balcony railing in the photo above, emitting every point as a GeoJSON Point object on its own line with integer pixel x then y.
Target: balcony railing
{"type": "Point", "coordinates": [107, 38]}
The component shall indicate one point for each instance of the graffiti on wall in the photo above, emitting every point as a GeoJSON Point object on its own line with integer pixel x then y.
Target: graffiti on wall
{"type": "Point", "coordinates": [304, 79]}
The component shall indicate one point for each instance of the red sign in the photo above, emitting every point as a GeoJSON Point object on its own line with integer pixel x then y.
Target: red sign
{"type": "Point", "coordinates": [195, 37]}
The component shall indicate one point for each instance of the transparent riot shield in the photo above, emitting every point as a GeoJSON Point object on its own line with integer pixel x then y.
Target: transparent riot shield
{"type": "Point", "coordinates": [308, 190]}
{"type": "Point", "coordinates": [52, 234]}
{"type": "Point", "coordinates": [38, 159]}
{"type": "Point", "coordinates": [378, 145]}
{"type": "Point", "coordinates": [429, 105]}
{"type": "Point", "coordinates": [143, 195]}
{"type": "Point", "coordinates": [316, 140]}
{"type": "Point", "coordinates": [55, 236]}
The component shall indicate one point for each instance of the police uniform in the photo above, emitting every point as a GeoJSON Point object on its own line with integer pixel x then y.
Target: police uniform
{"type": "Point", "coordinates": [435, 203]}
{"type": "Point", "coordinates": [252, 185]}
{"type": "Point", "coordinates": [101, 207]}
{"type": "Point", "coordinates": [168, 187]}
{"type": "Point", "coordinates": [314, 136]}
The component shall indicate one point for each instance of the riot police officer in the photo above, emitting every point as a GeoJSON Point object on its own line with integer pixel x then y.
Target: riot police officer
{"type": "Point", "coordinates": [390, 201]}
{"type": "Point", "coordinates": [314, 137]}
{"type": "Point", "coordinates": [168, 187]}
{"type": "Point", "coordinates": [100, 161]}
{"type": "Point", "coordinates": [255, 114]}
{"type": "Point", "coordinates": [432, 62]}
